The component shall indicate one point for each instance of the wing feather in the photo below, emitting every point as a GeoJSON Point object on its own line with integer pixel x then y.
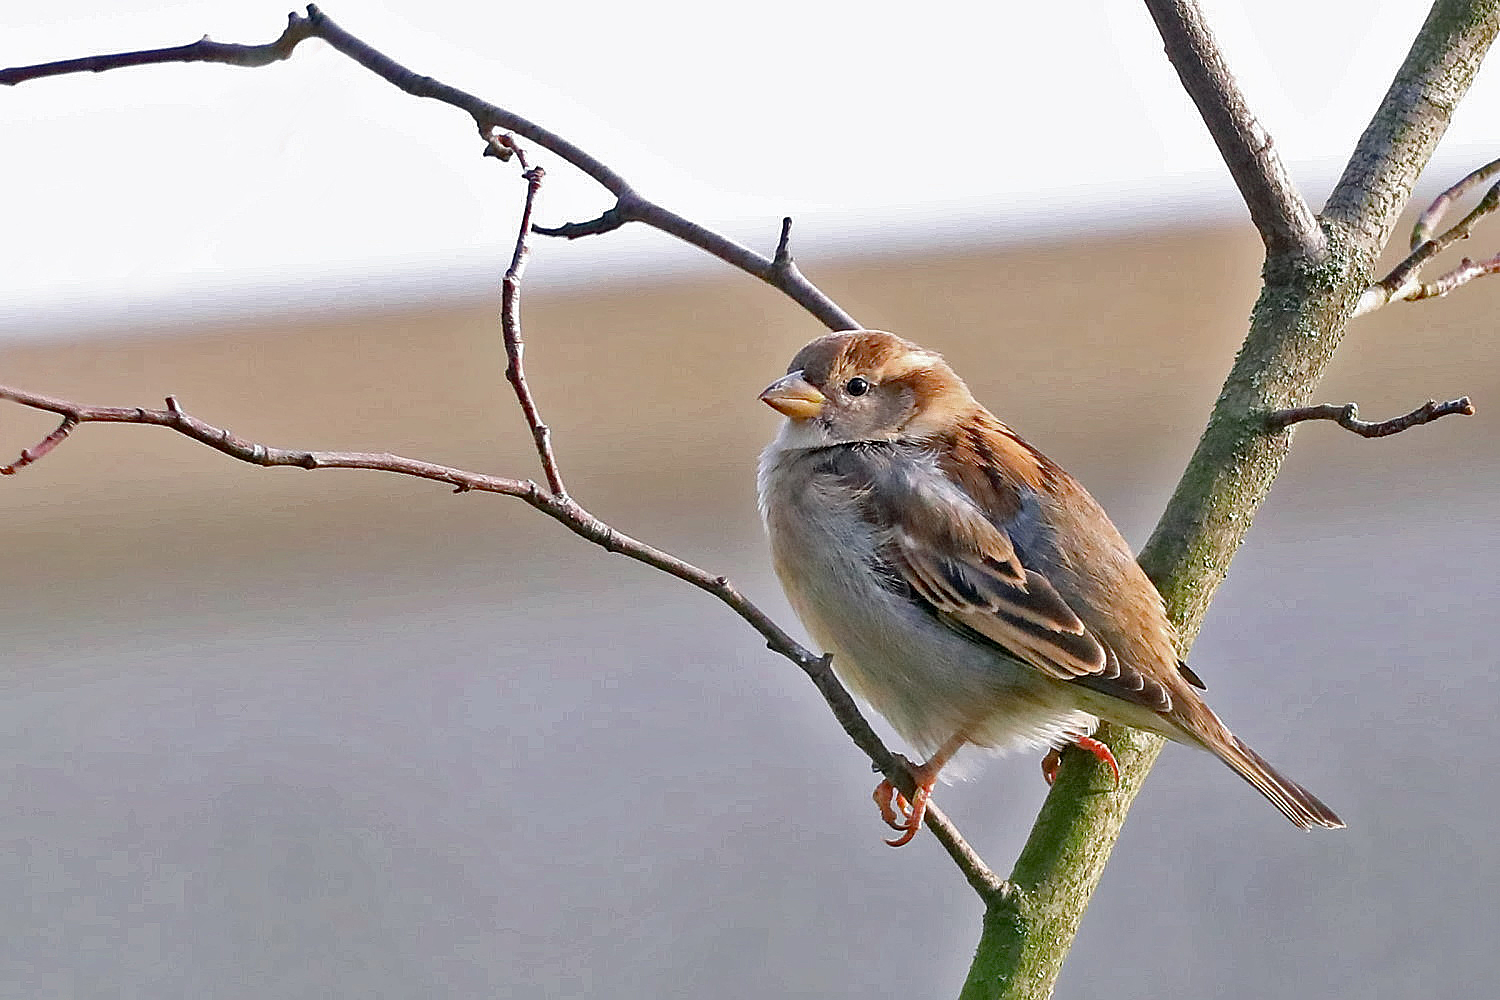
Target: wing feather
{"type": "Point", "coordinates": [969, 571]}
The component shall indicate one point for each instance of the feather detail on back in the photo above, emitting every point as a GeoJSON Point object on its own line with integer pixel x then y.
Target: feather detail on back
{"type": "Point", "coordinates": [973, 574]}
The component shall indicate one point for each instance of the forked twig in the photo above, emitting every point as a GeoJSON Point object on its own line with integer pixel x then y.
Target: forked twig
{"type": "Point", "coordinates": [1347, 417]}
{"type": "Point", "coordinates": [629, 206]}
{"type": "Point", "coordinates": [495, 125]}
{"type": "Point", "coordinates": [1404, 283]}
{"type": "Point", "coordinates": [1422, 231]}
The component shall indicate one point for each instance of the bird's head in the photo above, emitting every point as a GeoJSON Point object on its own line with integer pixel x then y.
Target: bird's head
{"type": "Point", "coordinates": [865, 385]}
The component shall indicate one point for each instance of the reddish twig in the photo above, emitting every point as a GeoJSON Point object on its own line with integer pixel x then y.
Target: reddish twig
{"type": "Point", "coordinates": [1404, 283]}
{"type": "Point", "coordinates": [503, 146]}
{"type": "Point", "coordinates": [36, 451]}
{"type": "Point", "coordinates": [1347, 417]}
{"type": "Point", "coordinates": [629, 206]}
{"type": "Point", "coordinates": [510, 322]}
{"type": "Point", "coordinates": [1466, 271]}
{"type": "Point", "coordinates": [571, 515]}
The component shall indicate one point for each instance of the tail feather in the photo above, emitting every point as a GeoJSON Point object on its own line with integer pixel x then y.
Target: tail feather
{"type": "Point", "coordinates": [1295, 802]}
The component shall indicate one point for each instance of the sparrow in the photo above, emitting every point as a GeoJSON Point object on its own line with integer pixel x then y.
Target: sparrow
{"type": "Point", "coordinates": [968, 588]}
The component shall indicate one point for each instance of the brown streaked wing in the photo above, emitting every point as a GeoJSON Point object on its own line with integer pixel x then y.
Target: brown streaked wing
{"type": "Point", "coordinates": [1025, 616]}
{"type": "Point", "coordinates": [966, 570]}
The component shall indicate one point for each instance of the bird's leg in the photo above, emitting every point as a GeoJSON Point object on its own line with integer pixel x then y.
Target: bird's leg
{"type": "Point", "coordinates": [906, 817]}
{"type": "Point", "coordinates": [1053, 759]}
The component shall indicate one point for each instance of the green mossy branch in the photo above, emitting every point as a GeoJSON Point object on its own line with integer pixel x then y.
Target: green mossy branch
{"type": "Point", "coordinates": [1295, 327]}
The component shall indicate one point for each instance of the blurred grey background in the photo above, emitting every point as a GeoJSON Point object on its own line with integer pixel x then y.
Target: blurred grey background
{"type": "Point", "coordinates": [274, 734]}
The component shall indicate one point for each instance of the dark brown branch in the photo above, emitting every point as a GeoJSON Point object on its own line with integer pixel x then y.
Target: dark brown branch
{"type": "Point", "coordinates": [510, 323]}
{"type": "Point", "coordinates": [1347, 417]}
{"type": "Point", "coordinates": [630, 206]}
{"type": "Point", "coordinates": [572, 516]}
{"type": "Point", "coordinates": [1280, 214]}
{"type": "Point", "coordinates": [606, 223]}
{"type": "Point", "coordinates": [1404, 283]}
{"type": "Point", "coordinates": [203, 50]}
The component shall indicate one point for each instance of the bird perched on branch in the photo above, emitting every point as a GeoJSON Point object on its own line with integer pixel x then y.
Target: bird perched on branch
{"type": "Point", "coordinates": [968, 588]}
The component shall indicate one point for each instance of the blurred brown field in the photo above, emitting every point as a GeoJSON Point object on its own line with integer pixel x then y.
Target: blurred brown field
{"type": "Point", "coordinates": [275, 733]}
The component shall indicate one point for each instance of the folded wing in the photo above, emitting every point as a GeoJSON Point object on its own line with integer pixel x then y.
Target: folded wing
{"type": "Point", "coordinates": [967, 570]}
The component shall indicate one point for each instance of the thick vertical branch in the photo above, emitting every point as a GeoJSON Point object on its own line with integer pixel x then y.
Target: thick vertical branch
{"type": "Point", "coordinates": [1297, 323]}
{"type": "Point", "coordinates": [1399, 141]}
{"type": "Point", "coordinates": [1301, 315]}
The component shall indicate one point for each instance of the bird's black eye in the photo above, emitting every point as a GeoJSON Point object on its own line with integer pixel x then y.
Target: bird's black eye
{"type": "Point", "coordinates": [856, 386]}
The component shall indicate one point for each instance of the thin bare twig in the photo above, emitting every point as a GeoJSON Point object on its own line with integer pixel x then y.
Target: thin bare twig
{"type": "Point", "coordinates": [1428, 221]}
{"type": "Point", "coordinates": [1404, 283]}
{"type": "Point", "coordinates": [36, 451]}
{"type": "Point", "coordinates": [610, 220]}
{"type": "Point", "coordinates": [1284, 220]}
{"type": "Point", "coordinates": [510, 322]}
{"type": "Point", "coordinates": [572, 516]}
{"type": "Point", "coordinates": [493, 122]}
{"type": "Point", "coordinates": [629, 206]}
{"type": "Point", "coordinates": [783, 257]}
{"type": "Point", "coordinates": [504, 146]}
{"type": "Point", "coordinates": [1466, 271]}
{"type": "Point", "coordinates": [1347, 417]}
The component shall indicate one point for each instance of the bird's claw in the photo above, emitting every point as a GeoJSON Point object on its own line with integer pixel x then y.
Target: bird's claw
{"type": "Point", "coordinates": [901, 815]}
{"type": "Point", "coordinates": [1053, 759]}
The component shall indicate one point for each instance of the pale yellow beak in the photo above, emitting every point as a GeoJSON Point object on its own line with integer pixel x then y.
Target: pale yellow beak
{"type": "Point", "coordinates": [793, 396]}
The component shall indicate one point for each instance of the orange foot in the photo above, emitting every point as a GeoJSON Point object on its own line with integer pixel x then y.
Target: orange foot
{"type": "Point", "coordinates": [906, 817]}
{"type": "Point", "coordinates": [1053, 759]}
{"type": "Point", "coordinates": [901, 815]}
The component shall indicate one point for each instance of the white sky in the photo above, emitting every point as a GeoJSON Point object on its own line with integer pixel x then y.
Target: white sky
{"type": "Point", "coordinates": [193, 188]}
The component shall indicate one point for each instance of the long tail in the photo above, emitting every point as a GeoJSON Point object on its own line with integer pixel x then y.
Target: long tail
{"type": "Point", "coordinates": [1295, 802]}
